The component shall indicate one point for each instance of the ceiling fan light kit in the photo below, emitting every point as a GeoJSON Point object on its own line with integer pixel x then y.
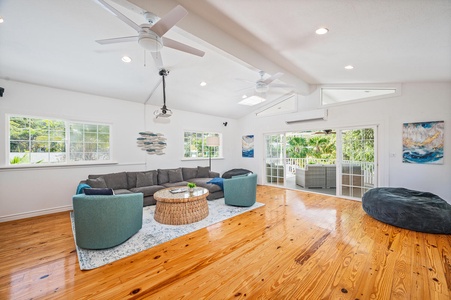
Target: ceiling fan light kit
{"type": "Point", "coordinates": [150, 35]}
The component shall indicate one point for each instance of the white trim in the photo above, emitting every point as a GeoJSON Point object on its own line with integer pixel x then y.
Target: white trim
{"type": "Point", "coordinates": [63, 166]}
{"type": "Point", "coordinates": [35, 213]}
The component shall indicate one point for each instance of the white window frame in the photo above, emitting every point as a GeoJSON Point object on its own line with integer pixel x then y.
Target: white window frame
{"type": "Point", "coordinates": [393, 86]}
{"type": "Point", "coordinates": [67, 141]}
{"type": "Point", "coordinates": [205, 134]}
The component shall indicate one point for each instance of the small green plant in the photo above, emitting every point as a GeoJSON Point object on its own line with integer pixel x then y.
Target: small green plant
{"type": "Point", "coordinates": [191, 185]}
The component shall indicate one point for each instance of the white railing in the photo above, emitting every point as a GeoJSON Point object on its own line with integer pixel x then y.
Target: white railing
{"type": "Point", "coordinates": [367, 167]}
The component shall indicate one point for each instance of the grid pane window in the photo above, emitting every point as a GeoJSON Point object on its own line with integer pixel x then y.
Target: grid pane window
{"type": "Point", "coordinates": [195, 145]}
{"type": "Point", "coordinates": [38, 140]}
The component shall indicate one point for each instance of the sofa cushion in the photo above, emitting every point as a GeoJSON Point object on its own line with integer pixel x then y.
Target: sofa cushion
{"type": "Point", "coordinates": [181, 183]}
{"type": "Point", "coordinates": [189, 173]}
{"type": "Point", "coordinates": [96, 183]}
{"type": "Point", "coordinates": [147, 190]}
{"type": "Point", "coordinates": [203, 172]}
{"type": "Point", "coordinates": [116, 180]}
{"type": "Point", "coordinates": [218, 181]}
{"type": "Point", "coordinates": [131, 179]}
{"type": "Point", "coordinates": [98, 191]}
{"type": "Point", "coordinates": [175, 175]}
{"type": "Point", "coordinates": [122, 191]}
{"type": "Point", "coordinates": [144, 179]}
{"type": "Point", "coordinates": [202, 182]}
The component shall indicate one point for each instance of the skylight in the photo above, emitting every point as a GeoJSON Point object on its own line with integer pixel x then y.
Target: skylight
{"type": "Point", "coordinates": [252, 100]}
{"type": "Point", "coordinates": [338, 95]}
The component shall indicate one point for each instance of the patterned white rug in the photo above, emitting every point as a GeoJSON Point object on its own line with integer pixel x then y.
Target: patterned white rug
{"type": "Point", "coordinates": [153, 233]}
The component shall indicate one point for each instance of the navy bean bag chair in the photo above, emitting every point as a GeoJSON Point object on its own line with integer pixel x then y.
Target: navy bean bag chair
{"type": "Point", "coordinates": [414, 210]}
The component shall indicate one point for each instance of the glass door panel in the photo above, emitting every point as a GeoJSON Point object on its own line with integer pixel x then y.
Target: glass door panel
{"type": "Point", "coordinates": [274, 159]}
{"type": "Point", "coordinates": [358, 162]}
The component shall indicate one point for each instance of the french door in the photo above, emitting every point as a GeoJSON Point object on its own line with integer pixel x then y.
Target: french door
{"type": "Point", "coordinates": [275, 158]}
{"type": "Point", "coordinates": [356, 161]}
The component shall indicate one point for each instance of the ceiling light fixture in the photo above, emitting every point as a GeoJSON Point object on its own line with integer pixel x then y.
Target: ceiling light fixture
{"type": "Point", "coordinates": [126, 59]}
{"type": "Point", "coordinates": [203, 83]}
{"type": "Point", "coordinates": [322, 30]}
{"type": "Point", "coordinates": [1, 20]}
{"type": "Point", "coordinates": [244, 96]}
{"type": "Point", "coordinates": [349, 67]}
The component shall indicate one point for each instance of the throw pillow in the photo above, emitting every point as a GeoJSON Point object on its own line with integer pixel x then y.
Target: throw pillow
{"type": "Point", "coordinates": [189, 173]}
{"type": "Point", "coordinates": [163, 176]}
{"type": "Point", "coordinates": [96, 183]}
{"type": "Point", "coordinates": [175, 175]}
{"type": "Point", "coordinates": [144, 179]}
{"type": "Point", "coordinates": [99, 191]}
{"type": "Point", "coordinates": [203, 172]}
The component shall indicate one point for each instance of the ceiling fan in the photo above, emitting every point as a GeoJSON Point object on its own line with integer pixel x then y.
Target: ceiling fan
{"type": "Point", "coordinates": [262, 85]}
{"type": "Point", "coordinates": [150, 35]}
{"type": "Point", "coordinates": [163, 112]}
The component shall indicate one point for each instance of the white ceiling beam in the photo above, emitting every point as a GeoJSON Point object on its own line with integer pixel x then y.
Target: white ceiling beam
{"type": "Point", "coordinates": [211, 33]}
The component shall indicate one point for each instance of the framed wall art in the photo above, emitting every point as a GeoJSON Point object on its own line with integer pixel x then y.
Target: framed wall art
{"type": "Point", "coordinates": [422, 142]}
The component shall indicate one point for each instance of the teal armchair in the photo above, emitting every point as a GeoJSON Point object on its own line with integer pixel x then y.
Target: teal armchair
{"type": "Point", "coordinates": [106, 221]}
{"type": "Point", "coordinates": [241, 190]}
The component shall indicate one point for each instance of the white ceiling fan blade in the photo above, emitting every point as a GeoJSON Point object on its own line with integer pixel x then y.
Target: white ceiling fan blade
{"type": "Point", "coordinates": [119, 15]}
{"type": "Point", "coordinates": [153, 90]}
{"type": "Point", "coordinates": [281, 85]}
{"type": "Point", "coordinates": [158, 59]}
{"type": "Point", "coordinates": [118, 40]}
{"type": "Point", "coordinates": [272, 78]}
{"type": "Point", "coordinates": [182, 47]}
{"type": "Point", "coordinates": [169, 20]}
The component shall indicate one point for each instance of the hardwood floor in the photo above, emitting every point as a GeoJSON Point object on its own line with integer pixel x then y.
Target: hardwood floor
{"type": "Point", "coordinates": [298, 246]}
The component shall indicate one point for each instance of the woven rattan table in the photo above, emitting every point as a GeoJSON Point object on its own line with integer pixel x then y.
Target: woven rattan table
{"type": "Point", "coordinates": [181, 208]}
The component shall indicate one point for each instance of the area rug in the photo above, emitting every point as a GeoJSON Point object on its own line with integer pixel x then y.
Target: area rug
{"type": "Point", "coordinates": [153, 233]}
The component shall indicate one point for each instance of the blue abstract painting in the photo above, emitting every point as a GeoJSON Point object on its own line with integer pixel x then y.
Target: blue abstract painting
{"type": "Point", "coordinates": [422, 142]}
{"type": "Point", "coordinates": [248, 146]}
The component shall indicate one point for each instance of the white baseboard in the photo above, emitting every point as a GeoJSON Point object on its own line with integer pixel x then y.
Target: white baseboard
{"type": "Point", "coordinates": [35, 213]}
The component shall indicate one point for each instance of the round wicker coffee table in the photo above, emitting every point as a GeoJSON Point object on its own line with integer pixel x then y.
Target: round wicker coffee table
{"type": "Point", "coordinates": [181, 208]}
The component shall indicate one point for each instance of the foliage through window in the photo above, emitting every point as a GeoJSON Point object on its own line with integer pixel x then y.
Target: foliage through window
{"type": "Point", "coordinates": [195, 145]}
{"type": "Point", "coordinates": [36, 140]}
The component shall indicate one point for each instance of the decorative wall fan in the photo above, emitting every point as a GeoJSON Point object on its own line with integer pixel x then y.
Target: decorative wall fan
{"type": "Point", "coordinates": [150, 35]}
{"type": "Point", "coordinates": [163, 112]}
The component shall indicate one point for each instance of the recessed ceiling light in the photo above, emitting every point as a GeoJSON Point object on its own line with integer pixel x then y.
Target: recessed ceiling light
{"type": "Point", "coordinates": [322, 30]}
{"type": "Point", "coordinates": [126, 59]}
{"type": "Point", "coordinates": [349, 67]}
{"type": "Point", "coordinates": [203, 83]}
{"type": "Point", "coordinates": [244, 96]}
{"type": "Point", "coordinates": [1, 20]}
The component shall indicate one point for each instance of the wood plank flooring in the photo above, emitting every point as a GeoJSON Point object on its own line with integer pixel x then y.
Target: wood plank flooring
{"type": "Point", "coordinates": [298, 246]}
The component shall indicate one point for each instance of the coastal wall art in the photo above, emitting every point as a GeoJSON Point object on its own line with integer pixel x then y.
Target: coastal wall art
{"type": "Point", "coordinates": [248, 146]}
{"type": "Point", "coordinates": [152, 143]}
{"type": "Point", "coordinates": [422, 142]}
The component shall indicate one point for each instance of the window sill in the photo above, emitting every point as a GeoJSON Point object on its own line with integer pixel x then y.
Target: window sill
{"type": "Point", "coordinates": [51, 166]}
{"type": "Point", "coordinates": [201, 158]}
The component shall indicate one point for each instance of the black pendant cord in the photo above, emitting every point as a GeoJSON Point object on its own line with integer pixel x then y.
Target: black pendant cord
{"type": "Point", "coordinates": [164, 92]}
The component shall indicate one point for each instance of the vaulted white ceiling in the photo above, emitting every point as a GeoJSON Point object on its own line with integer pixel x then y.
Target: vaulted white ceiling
{"type": "Point", "coordinates": [52, 43]}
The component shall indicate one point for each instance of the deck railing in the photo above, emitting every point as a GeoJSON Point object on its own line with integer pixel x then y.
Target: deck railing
{"type": "Point", "coordinates": [366, 167]}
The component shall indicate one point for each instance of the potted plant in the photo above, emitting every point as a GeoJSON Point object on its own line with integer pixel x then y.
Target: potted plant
{"type": "Point", "coordinates": [191, 186]}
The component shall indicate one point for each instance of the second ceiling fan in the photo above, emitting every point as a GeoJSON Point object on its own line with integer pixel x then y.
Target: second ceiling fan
{"type": "Point", "coordinates": [150, 35]}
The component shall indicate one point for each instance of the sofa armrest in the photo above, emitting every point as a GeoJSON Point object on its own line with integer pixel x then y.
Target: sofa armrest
{"type": "Point", "coordinates": [213, 174]}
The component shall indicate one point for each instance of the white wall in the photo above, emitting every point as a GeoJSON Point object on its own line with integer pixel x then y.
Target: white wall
{"type": "Point", "coordinates": [417, 102]}
{"type": "Point", "coordinates": [26, 192]}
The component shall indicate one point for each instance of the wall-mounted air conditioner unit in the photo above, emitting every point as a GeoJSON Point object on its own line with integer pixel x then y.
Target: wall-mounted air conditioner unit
{"type": "Point", "coordinates": [306, 116]}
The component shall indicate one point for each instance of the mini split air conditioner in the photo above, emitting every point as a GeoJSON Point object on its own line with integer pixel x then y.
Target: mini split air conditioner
{"type": "Point", "coordinates": [310, 115]}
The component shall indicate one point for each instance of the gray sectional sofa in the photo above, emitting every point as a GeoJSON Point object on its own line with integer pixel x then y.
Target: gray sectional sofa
{"type": "Point", "coordinates": [149, 182]}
